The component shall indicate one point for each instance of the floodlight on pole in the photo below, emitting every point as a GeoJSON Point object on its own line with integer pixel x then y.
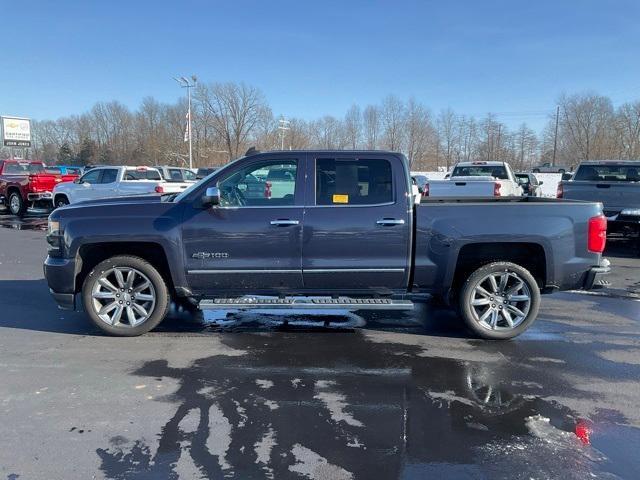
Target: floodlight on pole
{"type": "Point", "coordinates": [185, 83]}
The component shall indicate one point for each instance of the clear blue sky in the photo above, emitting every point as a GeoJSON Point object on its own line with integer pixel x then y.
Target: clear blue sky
{"type": "Point", "coordinates": [315, 58]}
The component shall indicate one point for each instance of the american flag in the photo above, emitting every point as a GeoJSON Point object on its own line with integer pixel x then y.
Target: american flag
{"type": "Point", "coordinates": [186, 128]}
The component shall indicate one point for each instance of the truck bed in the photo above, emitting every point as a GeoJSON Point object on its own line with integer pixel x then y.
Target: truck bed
{"type": "Point", "coordinates": [554, 228]}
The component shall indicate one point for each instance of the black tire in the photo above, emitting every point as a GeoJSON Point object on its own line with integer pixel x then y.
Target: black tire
{"type": "Point", "coordinates": [471, 317]}
{"type": "Point", "coordinates": [562, 170]}
{"type": "Point", "coordinates": [160, 289]}
{"type": "Point", "coordinates": [536, 170]}
{"type": "Point", "coordinates": [60, 201]}
{"type": "Point", "coordinates": [17, 205]}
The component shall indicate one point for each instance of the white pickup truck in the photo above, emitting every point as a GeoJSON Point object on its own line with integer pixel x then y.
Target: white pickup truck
{"type": "Point", "coordinates": [476, 179]}
{"type": "Point", "coordinates": [107, 182]}
{"type": "Point", "coordinates": [176, 179]}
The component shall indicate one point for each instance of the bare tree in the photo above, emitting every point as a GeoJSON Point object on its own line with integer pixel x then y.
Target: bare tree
{"type": "Point", "coordinates": [234, 112]}
{"type": "Point", "coordinates": [353, 126]}
{"type": "Point", "coordinates": [392, 123]}
{"type": "Point", "coordinates": [371, 121]}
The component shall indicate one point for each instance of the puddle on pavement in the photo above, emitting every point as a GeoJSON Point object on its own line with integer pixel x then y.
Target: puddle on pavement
{"type": "Point", "coordinates": [26, 223]}
{"type": "Point", "coordinates": [340, 406]}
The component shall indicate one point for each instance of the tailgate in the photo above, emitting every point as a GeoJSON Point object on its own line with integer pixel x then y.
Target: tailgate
{"type": "Point", "coordinates": [615, 196]}
{"type": "Point", "coordinates": [43, 182]}
{"type": "Point", "coordinates": [461, 188]}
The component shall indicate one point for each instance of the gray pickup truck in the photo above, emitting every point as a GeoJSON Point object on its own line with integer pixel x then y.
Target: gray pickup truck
{"type": "Point", "coordinates": [340, 229]}
{"type": "Point", "coordinates": [616, 184]}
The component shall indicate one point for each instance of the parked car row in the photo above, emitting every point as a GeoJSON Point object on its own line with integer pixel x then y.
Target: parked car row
{"type": "Point", "coordinates": [32, 185]}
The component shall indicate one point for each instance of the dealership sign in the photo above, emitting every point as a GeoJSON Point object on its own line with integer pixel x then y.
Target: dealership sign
{"type": "Point", "coordinates": [16, 132]}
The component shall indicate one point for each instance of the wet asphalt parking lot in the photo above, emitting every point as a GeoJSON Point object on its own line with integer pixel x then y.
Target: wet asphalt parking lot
{"type": "Point", "coordinates": [370, 396]}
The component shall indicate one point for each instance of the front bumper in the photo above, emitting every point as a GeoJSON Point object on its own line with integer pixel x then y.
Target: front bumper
{"type": "Point", "coordinates": [60, 274]}
{"type": "Point", "coordinates": [595, 276]}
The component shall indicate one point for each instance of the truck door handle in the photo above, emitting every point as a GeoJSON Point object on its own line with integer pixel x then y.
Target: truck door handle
{"type": "Point", "coordinates": [390, 221]}
{"type": "Point", "coordinates": [284, 222]}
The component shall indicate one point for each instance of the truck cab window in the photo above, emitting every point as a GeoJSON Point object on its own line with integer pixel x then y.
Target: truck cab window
{"type": "Point", "coordinates": [266, 184]}
{"type": "Point", "coordinates": [353, 182]}
{"type": "Point", "coordinates": [92, 177]}
{"type": "Point", "coordinates": [109, 175]}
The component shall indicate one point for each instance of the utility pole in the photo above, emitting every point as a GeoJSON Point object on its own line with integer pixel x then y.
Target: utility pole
{"type": "Point", "coordinates": [555, 137]}
{"type": "Point", "coordinates": [188, 84]}
{"type": "Point", "coordinates": [283, 127]}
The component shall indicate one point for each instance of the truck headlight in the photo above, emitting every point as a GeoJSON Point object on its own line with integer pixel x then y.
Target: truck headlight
{"type": "Point", "coordinates": [634, 212]}
{"type": "Point", "coordinates": [53, 227]}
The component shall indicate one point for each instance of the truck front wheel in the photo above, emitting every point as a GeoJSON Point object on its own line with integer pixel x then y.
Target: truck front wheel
{"type": "Point", "coordinates": [499, 300]}
{"type": "Point", "coordinates": [17, 206]}
{"type": "Point", "coordinates": [125, 296]}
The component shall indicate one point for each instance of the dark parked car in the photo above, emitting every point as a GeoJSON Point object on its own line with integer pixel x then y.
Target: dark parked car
{"type": "Point", "coordinates": [203, 172]}
{"type": "Point", "coordinates": [530, 184]}
{"type": "Point", "coordinates": [614, 183]}
{"type": "Point", "coordinates": [549, 168]}
{"type": "Point", "coordinates": [340, 231]}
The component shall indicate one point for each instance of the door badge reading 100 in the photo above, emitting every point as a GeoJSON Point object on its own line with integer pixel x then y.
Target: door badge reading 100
{"type": "Point", "coordinates": [214, 255]}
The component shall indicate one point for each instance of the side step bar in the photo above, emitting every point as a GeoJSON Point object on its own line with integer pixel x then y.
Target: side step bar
{"type": "Point", "coordinates": [306, 302]}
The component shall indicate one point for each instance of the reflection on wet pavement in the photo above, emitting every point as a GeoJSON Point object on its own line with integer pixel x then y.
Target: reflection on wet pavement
{"type": "Point", "coordinates": [341, 404]}
{"type": "Point", "coordinates": [26, 223]}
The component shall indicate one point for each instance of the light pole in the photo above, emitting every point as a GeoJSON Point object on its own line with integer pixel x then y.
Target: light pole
{"type": "Point", "coordinates": [188, 84]}
{"type": "Point", "coordinates": [283, 127]}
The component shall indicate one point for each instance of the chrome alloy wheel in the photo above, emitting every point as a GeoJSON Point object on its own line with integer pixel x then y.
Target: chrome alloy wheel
{"type": "Point", "coordinates": [123, 297]}
{"type": "Point", "coordinates": [14, 204]}
{"type": "Point", "coordinates": [501, 301]}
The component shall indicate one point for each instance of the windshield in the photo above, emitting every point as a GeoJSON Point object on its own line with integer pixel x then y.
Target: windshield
{"type": "Point", "coordinates": [608, 173]}
{"type": "Point", "coordinates": [495, 171]}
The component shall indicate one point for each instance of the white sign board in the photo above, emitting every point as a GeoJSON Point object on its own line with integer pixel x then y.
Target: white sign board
{"type": "Point", "coordinates": [16, 132]}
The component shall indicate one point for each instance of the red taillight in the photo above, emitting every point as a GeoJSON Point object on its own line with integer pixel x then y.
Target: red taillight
{"type": "Point", "coordinates": [496, 189]}
{"type": "Point", "coordinates": [560, 191]}
{"type": "Point", "coordinates": [159, 189]}
{"type": "Point", "coordinates": [425, 190]}
{"type": "Point", "coordinates": [597, 234]}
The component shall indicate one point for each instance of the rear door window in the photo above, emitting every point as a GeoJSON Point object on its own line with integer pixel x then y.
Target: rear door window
{"type": "Point", "coordinates": [109, 175]}
{"type": "Point", "coordinates": [353, 182]}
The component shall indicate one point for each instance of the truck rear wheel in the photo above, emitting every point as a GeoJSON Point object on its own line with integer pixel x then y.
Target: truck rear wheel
{"type": "Point", "coordinates": [499, 301]}
{"type": "Point", "coordinates": [17, 205]}
{"type": "Point", "coordinates": [125, 296]}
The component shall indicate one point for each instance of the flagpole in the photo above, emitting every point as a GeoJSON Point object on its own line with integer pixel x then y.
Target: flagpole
{"type": "Point", "coordinates": [190, 148]}
{"type": "Point", "coordinates": [185, 83]}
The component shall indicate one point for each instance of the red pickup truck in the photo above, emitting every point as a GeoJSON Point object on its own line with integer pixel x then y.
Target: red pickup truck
{"type": "Point", "coordinates": [26, 183]}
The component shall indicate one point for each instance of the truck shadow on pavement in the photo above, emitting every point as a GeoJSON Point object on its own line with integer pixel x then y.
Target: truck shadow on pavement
{"type": "Point", "coordinates": [293, 405]}
{"type": "Point", "coordinates": [27, 304]}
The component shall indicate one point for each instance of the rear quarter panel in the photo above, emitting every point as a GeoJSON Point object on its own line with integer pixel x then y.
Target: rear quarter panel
{"type": "Point", "coordinates": [559, 227]}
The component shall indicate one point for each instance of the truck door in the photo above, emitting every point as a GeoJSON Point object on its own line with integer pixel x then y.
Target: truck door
{"type": "Point", "coordinates": [252, 242]}
{"type": "Point", "coordinates": [86, 188]}
{"type": "Point", "coordinates": [357, 227]}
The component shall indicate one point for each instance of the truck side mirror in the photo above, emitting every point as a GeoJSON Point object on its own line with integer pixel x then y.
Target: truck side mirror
{"type": "Point", "coordinates": [211, 197]}
{"type": "Point", "coordinates": [566, 176]}
{"type": "Point", "coordinates": [77, 180]}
